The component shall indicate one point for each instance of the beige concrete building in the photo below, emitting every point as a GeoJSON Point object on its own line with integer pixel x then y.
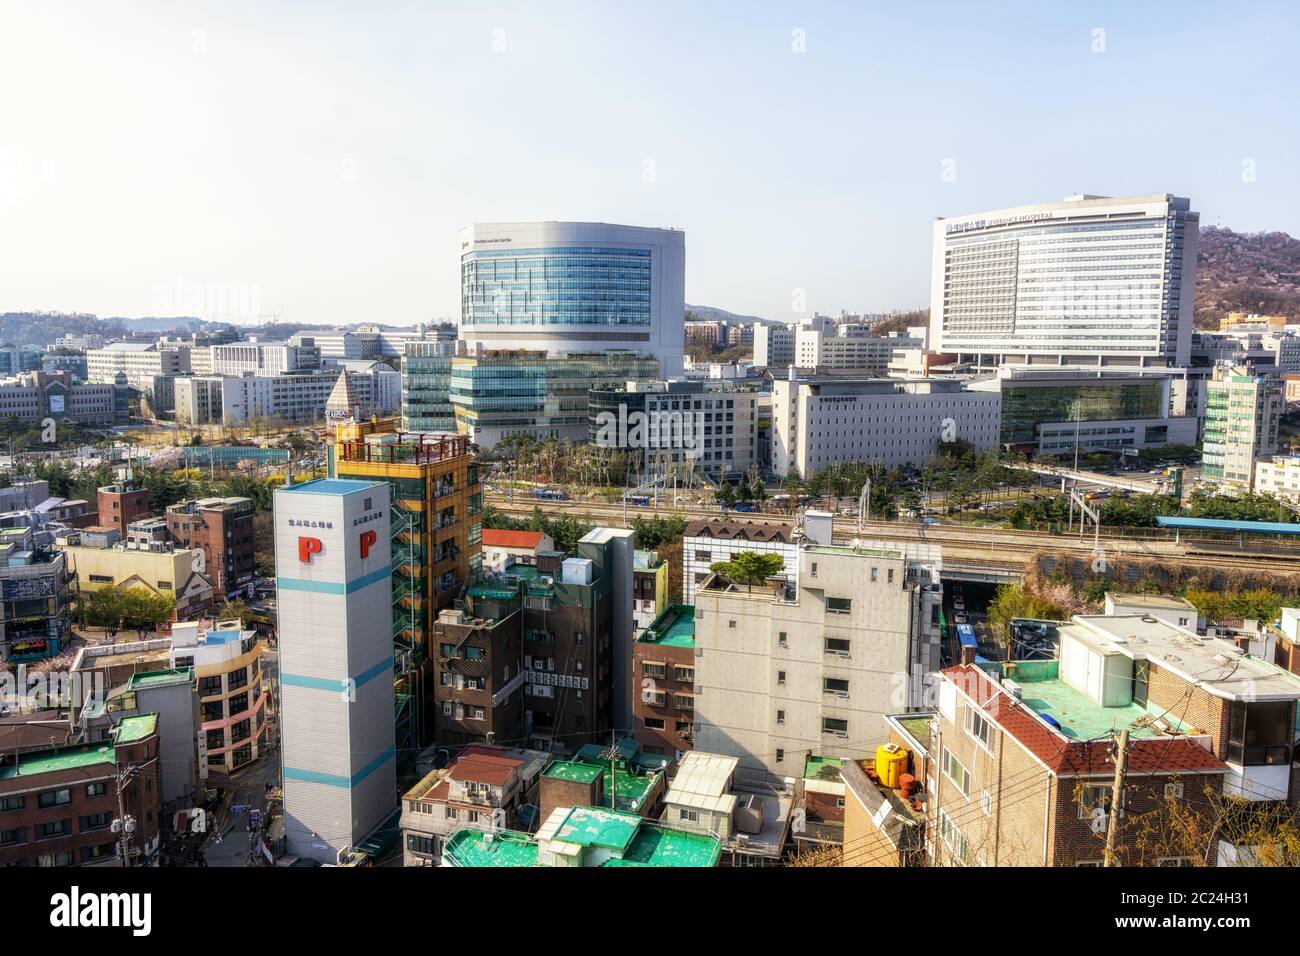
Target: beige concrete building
{"type": "Point", "coordinates": [812, 665]}
{"type": "Point", "coordinates": [97, 559]}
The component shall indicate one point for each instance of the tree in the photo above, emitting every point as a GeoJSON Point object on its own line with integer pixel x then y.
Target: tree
{"type": "Point", "coordinates": [749, 567]}
{"type": "Point", "coordinates": [103, 608]}
{"type": "Point", "coordinates": [146, 610]}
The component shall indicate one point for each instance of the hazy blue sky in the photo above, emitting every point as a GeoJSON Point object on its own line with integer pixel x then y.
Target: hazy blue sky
{"type": "Point", "coordinates": [318, 158]}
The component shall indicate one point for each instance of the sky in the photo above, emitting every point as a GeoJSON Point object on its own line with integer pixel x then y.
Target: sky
{"type": "Point", "coordinates": [315, 161]}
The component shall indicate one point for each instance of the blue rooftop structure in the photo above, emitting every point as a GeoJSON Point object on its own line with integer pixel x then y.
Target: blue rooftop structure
{"type": "Point", "coordinates": [330, 486]}
{"type": "Point", "coordinates": [1222, 524]}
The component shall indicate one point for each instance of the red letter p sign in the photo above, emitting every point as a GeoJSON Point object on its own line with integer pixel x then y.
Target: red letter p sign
{"type": "Point", "coordinates": [368, 538]}
{"type": "Point", "coordinates": [306, 548]}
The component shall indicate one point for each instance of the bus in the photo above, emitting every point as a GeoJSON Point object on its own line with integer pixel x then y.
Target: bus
{"type": "Point", "coordinates": [966, 636]}
{"type": "Point", "coordinates": [638, 501]}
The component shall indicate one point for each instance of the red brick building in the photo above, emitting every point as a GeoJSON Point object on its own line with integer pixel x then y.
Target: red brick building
{"type": "Point", "coordinates": [663, 678]}
{"type": "Point", "coordinates": [121, 504]}
{"type": "Point", "coordinates": [57, 805]}
{"type": "Point", "coordinates": [222, 528]}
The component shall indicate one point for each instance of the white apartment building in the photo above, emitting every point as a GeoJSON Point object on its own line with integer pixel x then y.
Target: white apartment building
{"type": "Point", "coordinates": [141, 361]}
{"type": "Point", "coordinates": [822, 344]}
{"type": "Point", "coordinates": [709, 541]}
{"type": "Point", "coordinates": [774, 345]}
{"type": "Point", "coordinates": [1091, 280]}
{"type": "Point", "coordinates": [818, 421]}
{"type": "Point", "coordinates": [809, 669]}
{"type": "Point", "coordinates": [1280, 476]}
{"type": "Point", "coordinates": [301, 397]}
{"type": "Point", "coordinates": [263, 358]}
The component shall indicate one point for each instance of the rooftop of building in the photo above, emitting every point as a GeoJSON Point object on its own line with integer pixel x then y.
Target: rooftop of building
{"type": "Point", "coordinates": [704, 782]}
{"type": "Point", "coordinates": [1167, 602]}
{"type": "Point", "coordinates": [132, 729]}
{"type": "Point", "coordinates": [916, 726]}
{"type": "Point", "coordinates": [742, 530]}
{"type": "Point", "coordinates": [822, 768]}
{"type": "Point", "coordinates": [848, 550]}
{"type": "Point", "coordinates": [646, 560]}
{"type": "Point", "coordinates": [55, 759]}
{"type": "Point", "coordinates": [144, 680]}
{"type": "Point", "coordinates": [1217, 666]}
{"type": "Point", "coordinates": [501, 538]}
{"type": "Point", "coordinates": [1072, 754]}
{"type": "Point", "coordinates": [588, 765]}
{"type": "Point", "coordinates": [329, 486]}
{"type": "Point", "coordinates": [570, 831]}
{"type": "Point", "coordinates": [674, 627]}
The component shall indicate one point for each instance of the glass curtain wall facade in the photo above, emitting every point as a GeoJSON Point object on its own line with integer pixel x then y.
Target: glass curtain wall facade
{"type": "Point", "coordinates": [536, 393]}
{"type": "Point", "coordinates": [561, 285]}
{"type": "Point", "coordinates": [426, 382]}
{"type": "Point", "coordinates": [1024, 407]}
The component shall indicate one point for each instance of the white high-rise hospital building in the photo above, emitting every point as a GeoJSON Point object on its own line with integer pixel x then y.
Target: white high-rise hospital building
{"type": "Point", "coordinates": [1090, 280]}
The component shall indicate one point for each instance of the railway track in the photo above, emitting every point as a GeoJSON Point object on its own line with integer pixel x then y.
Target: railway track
{"type": "Point", "coordinates": [995, 546]}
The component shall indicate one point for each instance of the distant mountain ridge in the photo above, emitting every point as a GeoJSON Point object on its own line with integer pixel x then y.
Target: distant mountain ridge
{"type": "Point", "coordinates": [1246, 272]}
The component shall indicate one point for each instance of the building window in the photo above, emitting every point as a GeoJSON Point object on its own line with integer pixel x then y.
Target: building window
{"type": "Point", "coordinates": [54, 798]}
{"type": "Point", "coordinates": [839, 605]}
{"type": "Point", "coordinates": [954, 771]}
{"type": "Point", "coordinates": [782, 640]}
{"type": "Point", "coordinates": [96, 821]}
{"type": "Point", "coordinates": [1093, 798]}
{"type": "Point", "coordinates": [1259, 733]}
{"type": "Point", "coordinates": [55, 828]}
{"type": "Point", "coordinates": [979, 728]}
{"type": "Point", "coordinates": [835, 726]}
{"type": "Point", "coordinates": [10, 803]}
{"type": "Point", "coordinates": [780, 678]}
{"type": "Point", "coordinates": [12, 837]}
{"type": "Point", "coordinates": [780, 755]}
{"type": "Point", "coordinates": [837, 645]}
{"type": "Point", "coordinates": [653, 723]}
{"type": "Point", "coordinates": [780, 716]}
{"type": "Point", "coordinates": [835, 685]}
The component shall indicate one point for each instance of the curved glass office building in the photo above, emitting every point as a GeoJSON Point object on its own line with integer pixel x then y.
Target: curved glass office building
{"type": "Point", "coordinates": [550, 310]}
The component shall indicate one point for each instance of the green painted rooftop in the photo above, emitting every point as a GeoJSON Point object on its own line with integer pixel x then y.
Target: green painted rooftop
{"type": "Point", "coordinates": [58, 758]}
{"type": "Point", "coordinates": [596, 826]}
{"type": "Point", "coordinates": [822, 768]}
{"type": "Point", "coordinates": [675, 627]}
{"type": "Point", "coordinates": [633, 841]}
{"type": "Point", "coordinates": [662, 846]}
{"type": "Point", "coordinates": [1079, 717]}
{"type": "Point", "coordinates": [472, 848]}
{"type": "Point", "coordinates": [573, 772]}
{"type": "Point", "coordinates": [146, 679]}
{"type": "Point", "coordinates": [136, 728]}
{"type": "Point", "coordinates": [918, 727]}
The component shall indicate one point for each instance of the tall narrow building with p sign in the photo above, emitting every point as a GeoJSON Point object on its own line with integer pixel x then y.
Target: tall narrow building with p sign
{"type": "Point", "coordinates": [334, 586]}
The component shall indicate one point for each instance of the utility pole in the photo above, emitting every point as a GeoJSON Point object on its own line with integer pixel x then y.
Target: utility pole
{"type": "Point", "coordinates": [1116, 797]}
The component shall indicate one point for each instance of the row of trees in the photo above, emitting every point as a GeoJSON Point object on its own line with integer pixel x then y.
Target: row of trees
{"type": "Point", "coordinates": [117, 607]}
{"type": "Point", "coordinates": [1141, 511]}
